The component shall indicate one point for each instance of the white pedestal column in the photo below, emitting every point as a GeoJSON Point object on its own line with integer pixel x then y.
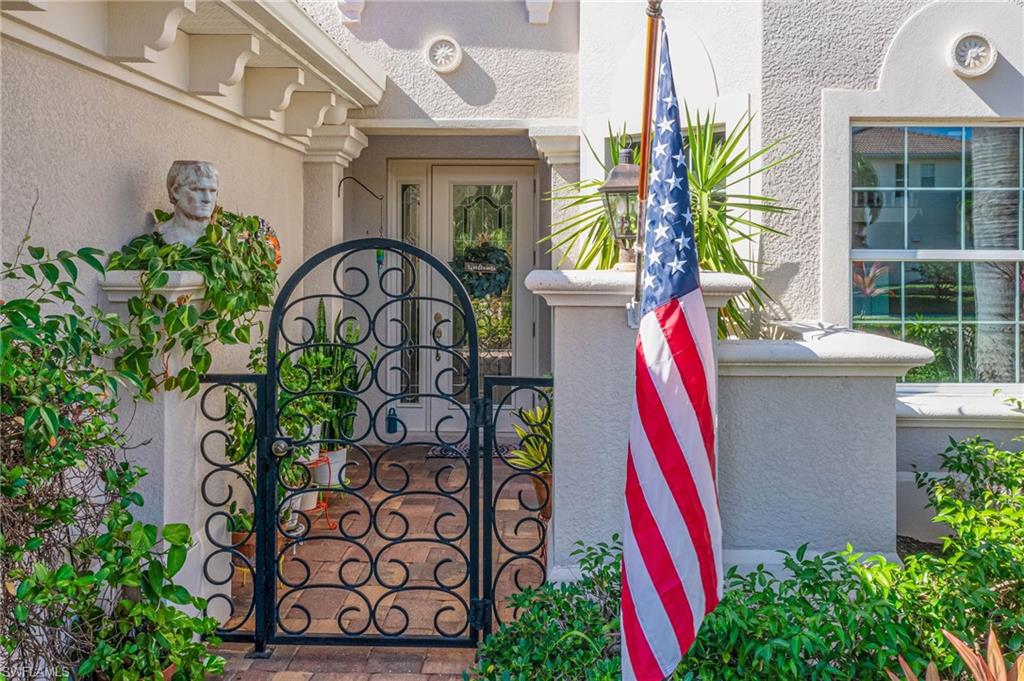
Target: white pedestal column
{"type": "Point", "coordinates": [167, 432]}
{"type": "Point", "coordinates": [592, 362]}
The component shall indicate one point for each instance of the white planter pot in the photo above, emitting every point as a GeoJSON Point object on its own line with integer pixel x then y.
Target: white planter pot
{"type": "Point", "coordinates": [327, 473]}
{"type": "Point", "coordinates": [314, 447]}
{"type": "Point", "coordinates": [305, 501]}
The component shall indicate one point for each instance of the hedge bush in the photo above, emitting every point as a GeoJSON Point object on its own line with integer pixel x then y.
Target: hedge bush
{"type": "Point", "coordinates": [834, 616]}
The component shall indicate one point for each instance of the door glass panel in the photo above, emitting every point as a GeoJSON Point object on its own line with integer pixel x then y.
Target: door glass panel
{"type": "Point", "coordinates": [482, 222]}
{"type": "Point", "coordinates": [410, 220]}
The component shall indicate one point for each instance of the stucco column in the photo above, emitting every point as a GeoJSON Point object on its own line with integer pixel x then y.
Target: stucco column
{"type": "Point", "coordinates": [560, 147]}
{"type": "Point", "coordinates": [167, 432]}
{"type": "Point", "coordinates": [332, 148]}
{"type": "Point", "coordinates": [593, 355]}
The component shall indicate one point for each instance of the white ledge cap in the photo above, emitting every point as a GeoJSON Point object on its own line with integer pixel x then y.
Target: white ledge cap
{"type": "Point", "coordinates": [819, 349]}
{"type": "Point", "coordinates": [610, 288]}
{"type": "Point", "coordinates": [947, 408]}
{"type": "Point", "coordinates": [122, 285]}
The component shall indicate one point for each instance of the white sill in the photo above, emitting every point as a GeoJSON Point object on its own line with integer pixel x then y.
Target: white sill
{"type": "Point", "coordinates": [957, 406]}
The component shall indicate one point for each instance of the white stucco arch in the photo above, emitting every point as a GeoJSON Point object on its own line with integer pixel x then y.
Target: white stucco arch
{"type": "Point", "coordinates": [916, 84]}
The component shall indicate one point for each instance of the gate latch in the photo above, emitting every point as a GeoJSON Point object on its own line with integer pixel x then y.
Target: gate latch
{"type": "Point", "coordinates": [280, 447]}
{"type": "Point", "coordinates": [480, 613]}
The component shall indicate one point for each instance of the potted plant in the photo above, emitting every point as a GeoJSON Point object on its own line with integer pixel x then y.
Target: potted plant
{"type": "Point", "coordinates": [534, 454]}
{"type": "Point", "coordinates": [344, 375]}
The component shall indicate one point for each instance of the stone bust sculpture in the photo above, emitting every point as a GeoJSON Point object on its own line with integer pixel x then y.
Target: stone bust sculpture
{"type": "Point", "coordinates": [192, 188]}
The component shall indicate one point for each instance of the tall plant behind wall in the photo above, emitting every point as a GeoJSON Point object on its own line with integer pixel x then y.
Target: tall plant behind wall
{"type": "Point", "coordinates": [725, 221]}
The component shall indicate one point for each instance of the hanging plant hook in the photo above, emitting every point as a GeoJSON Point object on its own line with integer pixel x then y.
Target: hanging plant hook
{"type": "Point", "coordinates": [380, 221]}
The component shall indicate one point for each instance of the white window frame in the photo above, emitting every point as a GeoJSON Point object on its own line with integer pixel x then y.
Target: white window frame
{"type": "Point", "coordinates": [951, 255]}
{"type": "Point", "coordinates": [916, 87]}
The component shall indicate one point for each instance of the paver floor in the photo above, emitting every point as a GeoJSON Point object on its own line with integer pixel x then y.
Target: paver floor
{"type": "Point", "coordinates": [322, 663]}
{"type": "Point", "coordinates": [399, 567]}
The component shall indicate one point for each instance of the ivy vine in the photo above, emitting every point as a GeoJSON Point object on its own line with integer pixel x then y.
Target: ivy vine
{"type": "Point", "coordinates": [237, 257]}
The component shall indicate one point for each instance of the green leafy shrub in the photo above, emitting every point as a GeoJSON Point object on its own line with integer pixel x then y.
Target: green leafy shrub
{"type": "Point", "coordinates": [238, 262]}
{"type": "Point", "coordinates": [834, 616]}
{"type": "Point", "coordinates": [569, 631]}
{"type": "Point", "coordinates": [87, 589]}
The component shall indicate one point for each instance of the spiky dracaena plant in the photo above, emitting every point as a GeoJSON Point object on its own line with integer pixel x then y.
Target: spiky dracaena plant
{"type": "Point", "coordinates": [991, 667]}
{"type": "Point", "coordinates": [724, 220]}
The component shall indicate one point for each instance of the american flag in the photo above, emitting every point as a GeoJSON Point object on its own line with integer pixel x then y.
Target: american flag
{"type": "Point", "coordinates": [672, 547]}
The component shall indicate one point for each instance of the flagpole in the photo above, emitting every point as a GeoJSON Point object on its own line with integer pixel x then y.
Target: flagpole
{"type": "Point", "coordinates": [653, 19]}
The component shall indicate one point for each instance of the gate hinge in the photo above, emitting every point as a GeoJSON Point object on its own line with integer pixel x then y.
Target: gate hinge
{"type": "Point", "coordinates": [480, 613]}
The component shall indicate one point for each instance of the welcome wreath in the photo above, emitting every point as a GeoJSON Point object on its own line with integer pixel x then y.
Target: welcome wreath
{"type": "Point", "coordinates": [484, 269]}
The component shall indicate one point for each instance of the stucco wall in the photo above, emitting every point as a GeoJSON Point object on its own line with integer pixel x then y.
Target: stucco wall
{"type": "Point", "coordinates": [510, 69]}
{"type": "Point", "coordinates": [917, 449]}
{"type": "Point", "coordinates": [783, 484]}
{"type": "Point", "coordinates": [714, 61]}
{"type": "Point", "coordinates": [98, 152]}
{"type": "Point", "coordinates": [836, 44]}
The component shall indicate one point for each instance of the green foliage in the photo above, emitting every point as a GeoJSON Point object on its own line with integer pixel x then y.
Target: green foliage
{"type": "Point", "coordinates": [568, 631]}
{"type": "Point", "coordinates": [833, 616]}
{"type": "Point", "coordinates": [534, 453]}
{"type": "Point", "coordinates": [586, 234]}
{"type": "Point", "coordinates": [723, 219]}
{"type": "Point", "coordinates": [89, 588]}
{"type": "Point", "coordinates": [339, 369]}
{"type": "Point", "coordinates": [238, 265]}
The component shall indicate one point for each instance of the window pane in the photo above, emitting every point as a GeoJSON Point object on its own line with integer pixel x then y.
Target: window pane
{"type": "Point", "coordinates": [933, 219]}
{"type": "Point", "coordinates": [993, 157]}
{"type": "Point", "coordinates": [876, 154]}
{"type": "Point", "coordinates": [876, 290]}
{"type": "Point", "coordinates": [931, 290]}
{"type": "Point", "coordinates": [944, 341]}
{"type": "Point", "coordinates": [935, 154]}
{"type": "Point", "coordinates": [950, 188]}
{"type": "Point", "coordinates": [877, 219]}
{"type": "Point", "coordinates": [410, 357]}
{"type": "Point", "coordinates": [989, 291]}
{"type": "Point", "coordinates": [482, 224]}
{"type": "Point", "coordinates": [989, 353]}
{"type": "Point", "coordinates": [992, 218]}
{"type": "Point", "coordinates": [887, 330]}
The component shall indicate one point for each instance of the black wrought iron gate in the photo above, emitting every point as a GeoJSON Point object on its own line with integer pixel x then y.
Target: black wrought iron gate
{"type": "Point", "coordinates": [360, 488]}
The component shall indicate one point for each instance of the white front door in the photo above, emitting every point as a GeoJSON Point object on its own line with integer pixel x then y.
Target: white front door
{"type": "Point", "coordinates": [479, 219]}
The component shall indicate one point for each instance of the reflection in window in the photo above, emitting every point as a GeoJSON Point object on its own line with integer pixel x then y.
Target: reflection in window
{"type": "Point", "coordinates": [944, 204]}
{"type": "Point", "coordinates": [967, 313]}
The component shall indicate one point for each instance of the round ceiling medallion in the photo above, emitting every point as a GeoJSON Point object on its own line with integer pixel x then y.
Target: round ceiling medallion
{"type": "Point", "coordinates": [443, 54]}
{"type": "Point", "coordinates": [972, 54]}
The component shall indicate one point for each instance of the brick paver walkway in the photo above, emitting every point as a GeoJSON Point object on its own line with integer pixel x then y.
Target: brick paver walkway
{"type": "Point", "coordinates": [320, 663]}
{"type": "Point", "coordinates": [323, 608]}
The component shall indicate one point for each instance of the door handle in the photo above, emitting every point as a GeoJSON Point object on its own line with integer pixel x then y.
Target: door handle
{"type": "Point", "coordinates": [438, 318]}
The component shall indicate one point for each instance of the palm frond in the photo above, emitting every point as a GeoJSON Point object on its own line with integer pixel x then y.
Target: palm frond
{"type": "Point", "coordinates": [723, 220]}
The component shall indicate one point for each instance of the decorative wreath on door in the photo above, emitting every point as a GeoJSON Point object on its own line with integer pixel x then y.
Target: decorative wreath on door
{"type": "Point", "coordinates": [484, 269]}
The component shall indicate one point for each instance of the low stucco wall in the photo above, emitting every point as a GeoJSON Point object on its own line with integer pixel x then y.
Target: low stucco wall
{"type": "Point", "coordinates": [807, 460]}
{"type": "Point", "coordinates": [917, 449]}
{"type": "Point", "coordinates": [806, 427]}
